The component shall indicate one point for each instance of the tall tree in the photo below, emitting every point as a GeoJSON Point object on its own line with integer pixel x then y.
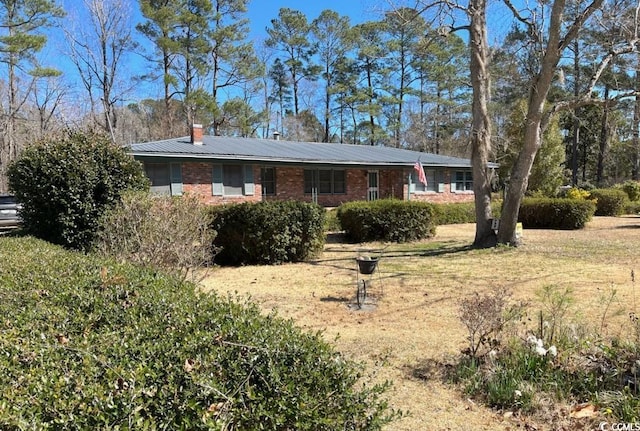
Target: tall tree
{"type": "Point", "coordinates": [635, 147]}
{"type": "Point", "coordinates": [553, 36]}
{"type": "Point", "coordinates": [405, 28]}
{"type": "Point", "coordinates": [99, 44]}
{"type": "Point", "coordinates": [194, 47]}
{"type": "Point", "coordinates": [559, 35]}
{"type": "Point", "coordinates": [441, 65]}
{"type": "Point", "coordinates": [232, 58]}
{"type": "Point", "coordinates": [289, 33]}
{"type": "Point", "coordinates": [48, 95]}
{"type": "Point", "coordinates": [332, 38]}
{"type": "Point", "coordinates": [22, 23]}
{"type": "Point", "coordinates": [547, 171]}
{"type": "Point", "coordinates": [161, 28]}
{"type": "Point", "coordinates": [281, 93]}
{"type": "Point", "coordinates": [370, 51]}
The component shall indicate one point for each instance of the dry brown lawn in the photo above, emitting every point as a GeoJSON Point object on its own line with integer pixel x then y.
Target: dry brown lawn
{"type": "Point", "coordinates": [417, 292]}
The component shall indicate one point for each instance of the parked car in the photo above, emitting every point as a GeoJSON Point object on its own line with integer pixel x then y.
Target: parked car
{"type": "Point", "coordinates": [9, 208]}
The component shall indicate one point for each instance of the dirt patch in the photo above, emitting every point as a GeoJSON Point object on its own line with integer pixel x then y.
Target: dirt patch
{"type": "Point", "coordinates": [417, 287]}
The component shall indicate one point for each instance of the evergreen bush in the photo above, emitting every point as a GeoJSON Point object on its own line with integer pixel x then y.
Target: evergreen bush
{"type": "Point", "coordinates": [89, 344]}
{"type": "Point", "coordinates": [609, 202]}
{"type": "Point", "coordinates": [387, 220]}
{"type": "Point", "coordinates": [454, 213]}
{"type": "Point", "coordinates": [267, 233]}
{"type": "Point", "coordinates": [66, 184]}
{"type": "Point", "coordinates": [632, 189]}
{"type": "Point", "coordinates": [550, 213]}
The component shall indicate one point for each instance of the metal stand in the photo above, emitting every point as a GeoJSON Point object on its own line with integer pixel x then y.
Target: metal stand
{"type": "Point", "coordinates": [365, 268]}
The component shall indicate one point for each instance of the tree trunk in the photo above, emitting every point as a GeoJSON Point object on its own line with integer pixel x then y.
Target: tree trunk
{"type": "Point", "coordinates": [372, 120]}
{"type": "Point", "coordinates": [575, 139]}
{"type": "Point", "coordinates": [481, 124]}
{"type": "Point", "coordinates": [535, 124]}
{"type": "Point", "coordinates": [604, 138]}
{"type": "Point", "coordinates": [635, 157]}
{"type": "Point", "coordinates": [327, 105]}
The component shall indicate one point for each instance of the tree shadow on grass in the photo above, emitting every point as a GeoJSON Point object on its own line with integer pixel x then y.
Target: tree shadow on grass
{"type": "Point", "coordinates": [338, 262]}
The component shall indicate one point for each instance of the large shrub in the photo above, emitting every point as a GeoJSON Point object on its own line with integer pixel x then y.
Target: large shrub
{"type": "Point", "coordinates": [387, 220]}
{"type": "Point", "coordinates": [66, 184]}
{"type": "Point", "coordinates": [268, 232]}
{"type": "Point", "coordinates": [547, 213]}
{"type": "Point", "coordinates": [88, 344]}
{"type": "Point", "coordinates": [609, 202]}
{"type": "Point", "coordinates": [170, 233]}
{"type": "Point", "coordinates": [632, 189]}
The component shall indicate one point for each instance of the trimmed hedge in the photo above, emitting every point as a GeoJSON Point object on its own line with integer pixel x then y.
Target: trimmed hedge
{"type": "Point", "coordinates": [387, 220]}
{"type": "Point", "coordinates": [461, 212]}
{"type": "Point", "coordinates": [267, 233]}
{"type": "Point", "coordinates": [464, 212]}
{"type": "Point", "coordinates": [549, 213]}
{"type": "Point", "coordinates": [610, 202]}
{"type": "Point", "coordinates": [88, 344]}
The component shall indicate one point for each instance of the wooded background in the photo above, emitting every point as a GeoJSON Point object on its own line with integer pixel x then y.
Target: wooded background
{"type": "Point", "coordinates": [402, 80]}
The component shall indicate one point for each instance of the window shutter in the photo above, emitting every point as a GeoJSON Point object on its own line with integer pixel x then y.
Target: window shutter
{"type": "Point", "coordinates": [249, 185]}
{"type": "Point", "coordinates": [176, 179]}
{"type": "Point", "coordinates": [440, 180]}
{"type": "Point", "coordinates": [217, 186]}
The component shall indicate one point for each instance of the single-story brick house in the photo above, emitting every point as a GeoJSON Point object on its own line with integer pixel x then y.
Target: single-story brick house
{"type": "Point", "coordinates": [227, 169]}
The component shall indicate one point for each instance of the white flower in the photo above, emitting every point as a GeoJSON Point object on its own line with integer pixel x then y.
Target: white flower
{"type": "Point", "coordinates": [553, 351]}
{"type": "Point", "coordinates": [540, 350]}
{"type": "Point", "coordinates": [492, 354]}
{"type": "Point", "coordinates": [531, 339]}
{"type": "Point", "coordinates": [517, 393]}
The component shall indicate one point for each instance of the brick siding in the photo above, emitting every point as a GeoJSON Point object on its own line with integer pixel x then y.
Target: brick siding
{"type": "Point", "coordinates": [197, 178]}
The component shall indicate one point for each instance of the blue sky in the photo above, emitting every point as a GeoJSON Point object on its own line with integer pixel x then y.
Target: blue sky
{"type": "Point", "coordinates": [261, 12]}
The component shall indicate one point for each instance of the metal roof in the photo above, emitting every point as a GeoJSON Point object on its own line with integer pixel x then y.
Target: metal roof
{"type": "Point", "coordinates": [276, 151]}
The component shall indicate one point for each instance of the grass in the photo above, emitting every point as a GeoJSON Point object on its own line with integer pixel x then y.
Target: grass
{"type": "Point", "coordinates": [418, 289]}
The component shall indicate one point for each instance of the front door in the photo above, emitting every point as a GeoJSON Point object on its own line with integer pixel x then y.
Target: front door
{"type": "Point", "coordinates": [372, 191]}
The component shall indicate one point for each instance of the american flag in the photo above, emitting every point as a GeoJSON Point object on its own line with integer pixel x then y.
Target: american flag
{"type": "Point", "coordinates": [421, 176]}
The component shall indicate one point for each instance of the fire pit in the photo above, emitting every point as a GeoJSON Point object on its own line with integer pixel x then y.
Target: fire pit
{"type": "Point", "coordinates": [367, 265]}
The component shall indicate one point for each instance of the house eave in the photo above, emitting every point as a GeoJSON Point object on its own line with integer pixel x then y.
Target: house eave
{"type": "Point", "coordinates": [280, 161]}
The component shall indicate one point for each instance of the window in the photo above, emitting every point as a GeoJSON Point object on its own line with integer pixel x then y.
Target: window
{"type": "Point", "coordinates": [324, 181]}
{"type": "Point", "coordinates": [464, 181]}
{"type": "Point", "coordinates": [432, 185]}
{"type": "Point", "coordinates": [232, 180]}
{"type": "Point", "coordinates": [268, 180]}
{"type": "Point", "coordinates": [166, 178]}
{"type": "Point", "coordinates": [339, 182]}
{"type": "Point", "coordinates": [158, 174]}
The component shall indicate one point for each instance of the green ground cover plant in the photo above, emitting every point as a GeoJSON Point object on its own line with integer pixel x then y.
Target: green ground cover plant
{"type": "Point", "coordinates": [86, 343]}
{"type": "Point", "coordinates": [513, 365]}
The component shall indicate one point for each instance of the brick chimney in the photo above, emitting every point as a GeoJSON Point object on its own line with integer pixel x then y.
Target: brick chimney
{"type": "Point", "coordinates": [196, 134]}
